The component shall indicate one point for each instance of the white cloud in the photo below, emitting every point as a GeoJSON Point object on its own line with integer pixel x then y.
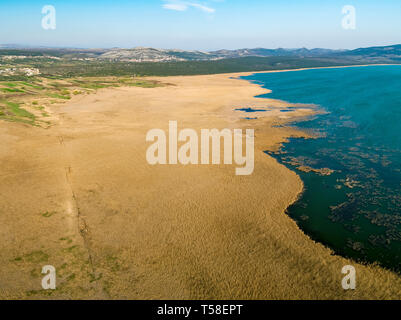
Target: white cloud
{"type": "Point", "coordinates": [175, 6]}
{"type": "Point", "coordinates": [202, 7]}
{"type": "Point", "coordinates": [183, 6]}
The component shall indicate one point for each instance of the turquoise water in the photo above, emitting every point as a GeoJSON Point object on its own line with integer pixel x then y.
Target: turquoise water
{"type": "Point", "coordinates": [356, 210]}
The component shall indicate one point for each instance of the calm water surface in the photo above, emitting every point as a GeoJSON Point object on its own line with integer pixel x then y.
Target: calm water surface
{"type": "Point", "coordinates": [356, 210]}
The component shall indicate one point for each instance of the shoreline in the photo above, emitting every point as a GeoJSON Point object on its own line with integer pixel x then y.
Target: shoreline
{"type": "Point", "coordinates": [300, 195]}
{"type": "Point", "coordinates": [162, 232]}
{"type": "Point", "coordinates": [247, 73]}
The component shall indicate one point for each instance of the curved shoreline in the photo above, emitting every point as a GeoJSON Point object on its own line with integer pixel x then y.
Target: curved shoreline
{"type": "Point", "coordinates": [372, 265]}
{"type": "Point", "coordinates": [162, 232]}
{"type": "Point", "coordinates": [320, 239]}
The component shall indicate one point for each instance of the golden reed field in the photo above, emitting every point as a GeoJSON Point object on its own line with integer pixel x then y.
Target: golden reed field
{"type": "Point", "coordinates": [81, 196]}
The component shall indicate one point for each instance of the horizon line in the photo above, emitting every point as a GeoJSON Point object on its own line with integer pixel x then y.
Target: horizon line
{"type": "Point", "coordinates": [25, 46]}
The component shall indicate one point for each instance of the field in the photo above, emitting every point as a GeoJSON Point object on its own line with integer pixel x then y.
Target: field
{"type": "Point", "coordinates": [28, 100]}
{"type": "Point", "coordinates": [81, 197]}
{"type": "Point", "coordinates": [59, 64]}
{"type": "Point", "coordinates": [77, 193]}
{"type": "Point", "coordinates": [32, 80]}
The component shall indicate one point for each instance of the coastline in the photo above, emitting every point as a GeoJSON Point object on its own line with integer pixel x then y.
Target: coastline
{"type": "Point", "coordinates": [195, 233]}
{"type": "Point", "coordinates": [242, 74]}
{"type": "Point", "coordinates": [312, 232]}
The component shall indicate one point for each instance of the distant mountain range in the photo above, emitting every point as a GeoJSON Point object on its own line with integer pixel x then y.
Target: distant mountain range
{"type": "Point", "coordinates": [140, 54]}
{"type": "Point", "coordinates": [151, 54]}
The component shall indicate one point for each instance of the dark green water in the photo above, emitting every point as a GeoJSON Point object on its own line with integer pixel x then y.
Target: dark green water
{"type": "Point", "coordinates": [357, 209]}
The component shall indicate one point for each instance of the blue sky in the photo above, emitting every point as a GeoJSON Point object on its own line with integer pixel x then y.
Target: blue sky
{"type": "Point", "coordinates": [201, 24]}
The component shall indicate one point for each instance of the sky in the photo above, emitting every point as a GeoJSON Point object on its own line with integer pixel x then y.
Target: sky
{"type": "Point", "coordinates": [201, 24]}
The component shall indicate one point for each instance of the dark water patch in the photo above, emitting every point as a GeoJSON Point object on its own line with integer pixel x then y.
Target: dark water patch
{"type": "Point", "coordinates": [250, 110]}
